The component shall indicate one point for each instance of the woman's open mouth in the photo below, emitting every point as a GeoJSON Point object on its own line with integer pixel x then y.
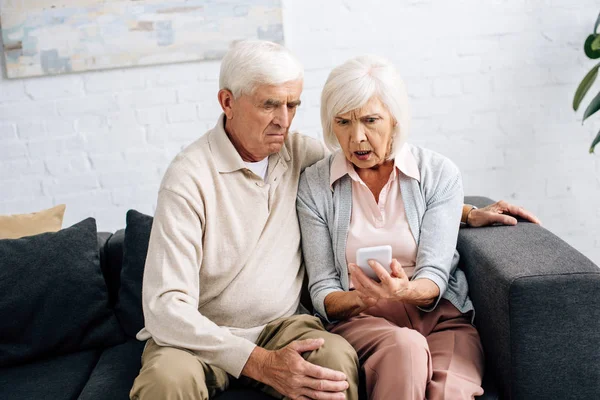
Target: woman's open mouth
{"type": "Point", "coordinates": [363, 155]}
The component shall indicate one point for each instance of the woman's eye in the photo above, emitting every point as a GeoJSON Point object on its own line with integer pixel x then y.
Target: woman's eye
{"type": "Point", "coordinates": [342, 122]}
{"type": "Point", "coordinates": [370, 120]}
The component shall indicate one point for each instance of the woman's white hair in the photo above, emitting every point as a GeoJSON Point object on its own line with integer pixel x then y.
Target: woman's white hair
{"type": "Point", "coordinates": [251, 63]}
{"type": "Point", "coordinates": [352, 84]}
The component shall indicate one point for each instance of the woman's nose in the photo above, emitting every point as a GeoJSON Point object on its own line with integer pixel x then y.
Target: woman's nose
{"type": "Point", "coordinates": [358, 133]}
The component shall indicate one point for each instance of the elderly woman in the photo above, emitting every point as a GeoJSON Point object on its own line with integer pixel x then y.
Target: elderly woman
{"type": "Point", "coordinates": [412, 328]}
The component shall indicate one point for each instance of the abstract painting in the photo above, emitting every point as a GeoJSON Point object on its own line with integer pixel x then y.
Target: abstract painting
{"type": "Point", "coordinates": [46, 37]}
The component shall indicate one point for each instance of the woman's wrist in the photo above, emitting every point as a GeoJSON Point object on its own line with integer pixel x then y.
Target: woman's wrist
{"type": "Point", "coordinates": [420, 292]}
{"type": "Point", "coordinates": [362, 305]}
{"type": "Point", "coordinates": [343, 305]}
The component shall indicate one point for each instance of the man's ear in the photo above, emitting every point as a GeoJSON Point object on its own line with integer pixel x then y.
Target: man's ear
{"type": "Point", "coordinates": [226, 101]}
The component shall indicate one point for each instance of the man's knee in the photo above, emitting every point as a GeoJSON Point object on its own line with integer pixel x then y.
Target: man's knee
{"type": "Point", "coordinates": [336, 353]}
{"type": "Point", "coordinates": [167, 379]}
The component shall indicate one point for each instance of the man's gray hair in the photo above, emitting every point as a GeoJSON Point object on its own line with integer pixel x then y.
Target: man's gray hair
{"type": "Point", "coordinates": [251, 63]}
{"type": "Point", "coordinates": [352, 84]}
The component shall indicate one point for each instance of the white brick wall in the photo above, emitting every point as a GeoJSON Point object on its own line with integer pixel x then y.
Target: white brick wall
{"type": "Point", "coordinates": [491, 85]}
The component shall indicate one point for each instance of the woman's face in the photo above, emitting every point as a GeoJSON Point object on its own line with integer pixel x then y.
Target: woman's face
{"type": "Point", "coordinates": [365, 134]}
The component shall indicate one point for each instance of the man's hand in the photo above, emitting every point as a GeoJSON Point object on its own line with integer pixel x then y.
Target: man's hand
{"type": "Point", "coordinates": [496, 214]}
{"type": "Point", "coordinates": [291, 375]}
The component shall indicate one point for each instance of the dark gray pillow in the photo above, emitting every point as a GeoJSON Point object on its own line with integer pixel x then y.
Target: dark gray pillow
{"type": "Point", "coordinates": [53, 298]}
{"type": "Point", "coordinates": [135, 247]}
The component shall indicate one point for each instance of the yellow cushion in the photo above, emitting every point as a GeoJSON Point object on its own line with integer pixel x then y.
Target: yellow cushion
{"type": "Point", "coordinates": [19, 225]}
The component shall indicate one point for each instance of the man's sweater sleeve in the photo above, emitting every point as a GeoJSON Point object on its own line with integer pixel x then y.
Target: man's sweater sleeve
{"type": "Point", "coordinates": [171, 288]}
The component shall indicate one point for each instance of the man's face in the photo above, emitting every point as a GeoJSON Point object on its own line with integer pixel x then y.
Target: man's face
{"type": "Point", "coordinates": [258, 123]}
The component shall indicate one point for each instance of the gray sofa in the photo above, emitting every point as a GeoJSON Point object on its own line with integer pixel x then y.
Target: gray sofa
{"type": "Point", "coordinates": [537, 302]}
{"type": "Point", "coordinates": [538, 310]}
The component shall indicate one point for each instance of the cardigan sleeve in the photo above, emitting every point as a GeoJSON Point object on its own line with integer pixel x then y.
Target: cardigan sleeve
{"type": "Point", "coordinates": [317, 248]}
{"type": "Point", "coordinates": [439, 228]}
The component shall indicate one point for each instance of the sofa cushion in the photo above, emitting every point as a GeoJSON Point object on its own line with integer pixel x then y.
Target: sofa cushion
{"type": "Point", "coordinates": [115, 372]}
{"type": "Point", "coordinates": [54, 300]}
{"type": "Point", "coordinates": [20, 225]}
{"type": "Point", "coordinates": [58, 378]}
{"type": "Point", "coordinates": [135, 248]}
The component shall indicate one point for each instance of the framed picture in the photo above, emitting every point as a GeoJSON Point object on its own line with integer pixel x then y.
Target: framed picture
{"type": "Point", "coordinates": [45, 37]}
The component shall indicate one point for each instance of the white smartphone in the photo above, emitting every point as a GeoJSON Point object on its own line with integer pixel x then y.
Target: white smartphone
{"type": "Point", "coordinates": [381, 254]}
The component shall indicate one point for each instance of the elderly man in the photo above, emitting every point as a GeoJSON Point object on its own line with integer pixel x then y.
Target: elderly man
{"type": "Point", "coordinates": [223, 276]}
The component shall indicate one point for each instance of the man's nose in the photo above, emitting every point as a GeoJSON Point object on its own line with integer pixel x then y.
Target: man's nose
{"type": "Point", "coordinates": [282, 117]}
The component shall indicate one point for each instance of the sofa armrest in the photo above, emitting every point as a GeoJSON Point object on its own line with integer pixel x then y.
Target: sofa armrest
{"type": "Point", "coordinates": [537, 304]}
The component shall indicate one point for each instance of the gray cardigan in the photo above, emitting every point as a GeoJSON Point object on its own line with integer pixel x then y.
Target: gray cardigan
{"type": "Point", "coordinates": [433, 208]}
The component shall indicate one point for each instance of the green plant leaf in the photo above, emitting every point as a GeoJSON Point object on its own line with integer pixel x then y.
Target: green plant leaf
{"type": "Point", "coordinates": [592, 108]}
{"type": "Point", "coordinates": [587, 47]}
{"type": "Point", "coordinates": [597, 24]}
{"type": "Point", "coordinates": [584, 86]}
{"type": "Point", "coordinates": [595, 142]}
{"type": "Point", "coordinates": [596, 43]}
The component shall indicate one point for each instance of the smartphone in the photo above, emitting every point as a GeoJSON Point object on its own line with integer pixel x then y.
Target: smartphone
{"type": "Point", "coordinates": [381, 254]}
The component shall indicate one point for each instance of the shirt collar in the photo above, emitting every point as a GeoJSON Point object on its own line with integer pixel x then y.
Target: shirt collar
{"type": "Point", "coordinates": [226, 156]}
{"type": "Point", "coordinates": [404, 162]}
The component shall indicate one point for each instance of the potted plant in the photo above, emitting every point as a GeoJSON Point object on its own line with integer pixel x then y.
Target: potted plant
{"type": "Point", "coordinates": [591, 48]}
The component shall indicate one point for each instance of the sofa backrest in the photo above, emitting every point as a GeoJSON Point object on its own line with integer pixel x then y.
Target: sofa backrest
{"type": "Point", "coordinates": [110, 248]}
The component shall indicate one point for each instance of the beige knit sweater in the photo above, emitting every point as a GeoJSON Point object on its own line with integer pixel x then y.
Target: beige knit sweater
{"type": "Point", "coordinates": [224, 255]}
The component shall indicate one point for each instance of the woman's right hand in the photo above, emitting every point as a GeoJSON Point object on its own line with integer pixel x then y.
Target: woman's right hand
{"type": "Point", "coordinates": [364, 300]}
{"type": "Point", "coordinates": [342, 305]}
{"type": "Point", "coordinates": [392, 286]}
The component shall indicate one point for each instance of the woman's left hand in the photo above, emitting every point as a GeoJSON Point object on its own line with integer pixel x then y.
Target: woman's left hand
{"type": "Point", "coordinates": [393, 286]}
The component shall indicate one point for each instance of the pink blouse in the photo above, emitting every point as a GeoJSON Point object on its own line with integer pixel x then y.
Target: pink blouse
{"type": "Point", "coordinates": [380, 223]}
